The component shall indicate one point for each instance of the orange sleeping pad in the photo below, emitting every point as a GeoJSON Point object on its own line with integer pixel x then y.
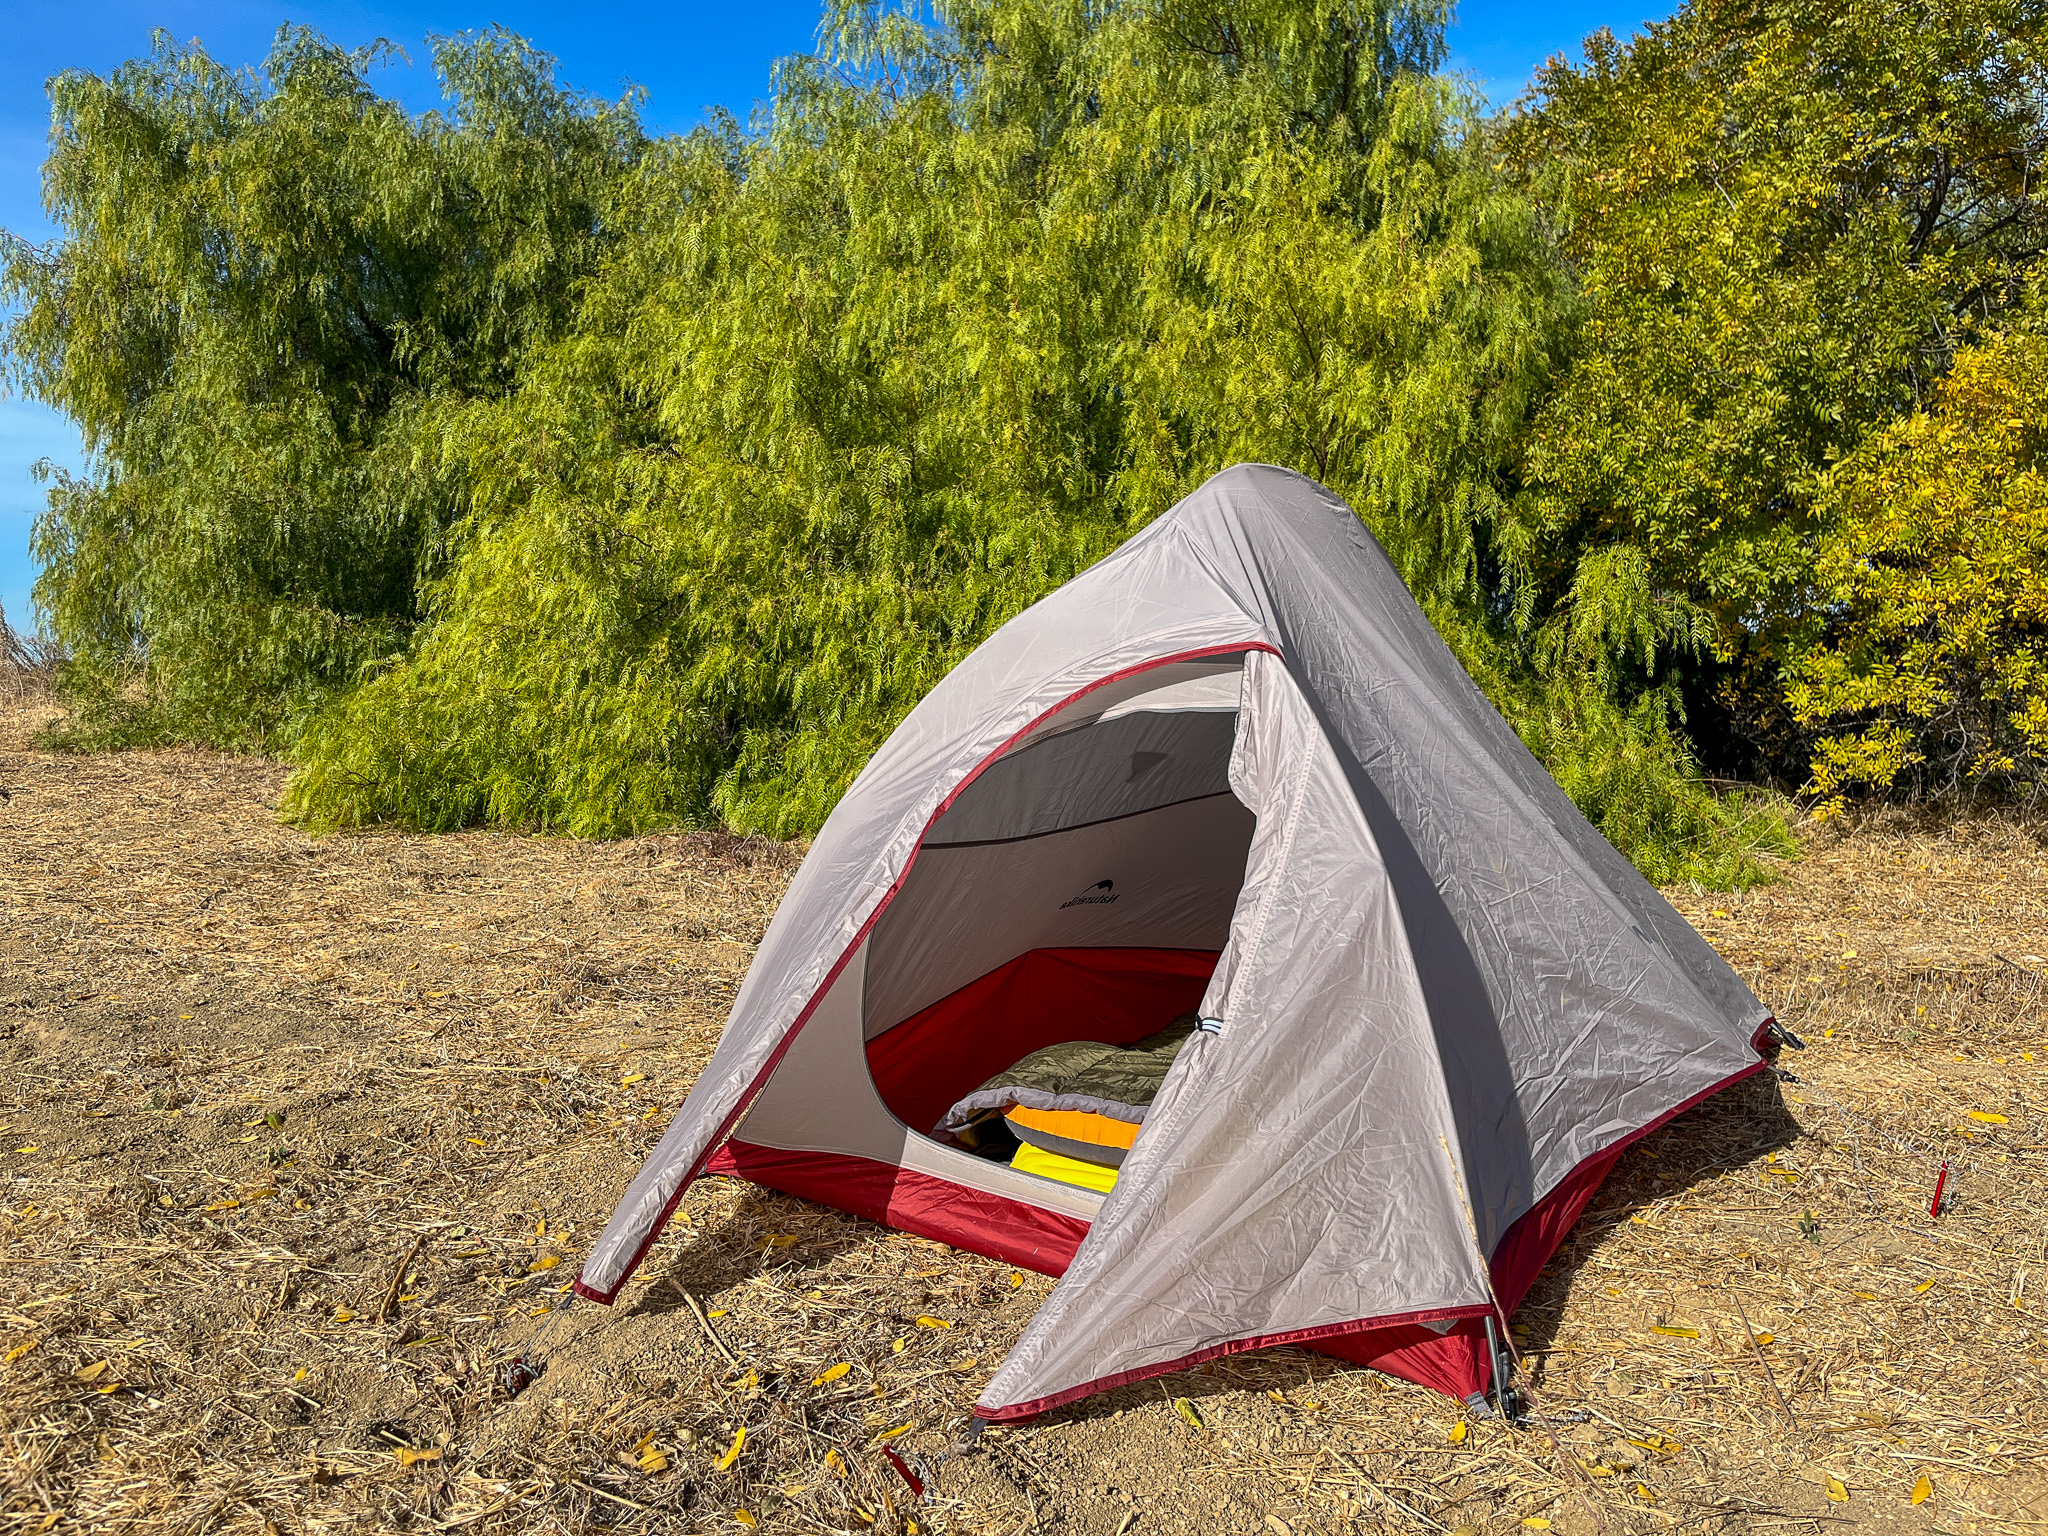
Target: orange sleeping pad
{"type": "Point", "coordinates": [1074, 1132]}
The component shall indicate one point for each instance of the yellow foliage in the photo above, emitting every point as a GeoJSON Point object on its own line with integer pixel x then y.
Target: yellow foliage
{"type": "Point", "coordinates": [1937, 572]}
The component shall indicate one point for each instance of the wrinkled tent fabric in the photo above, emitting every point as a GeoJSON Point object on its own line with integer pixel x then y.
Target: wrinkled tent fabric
{"type": "Point", "coordinates": [1442, 996]}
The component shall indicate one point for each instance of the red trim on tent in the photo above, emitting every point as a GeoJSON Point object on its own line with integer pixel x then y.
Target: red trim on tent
{"type": "Point", "coordinates": [1455, 1362]}
{"type": "Point", "coordinates": [1013, 1231]}
{"type": "Point", "coordinates": [943, 1052]}
{"type": "Point", "coordinates": [804, 1015]}
{"type": "Point", "coordinates": [1314, 1338]}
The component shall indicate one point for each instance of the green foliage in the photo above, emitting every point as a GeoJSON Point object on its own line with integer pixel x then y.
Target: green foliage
{"type": "Point", "coordinates": [853, 391]}
{"type": "Point", "coordinates": [1782, 216]}
{"type": "Point", "coordinates": [501, 466]}
{"type": "Point", "coordinates": [1627, 767]}
{"type": "Point", "coordinates": [266, 285]}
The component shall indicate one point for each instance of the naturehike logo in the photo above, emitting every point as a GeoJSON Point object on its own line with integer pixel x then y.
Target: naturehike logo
{"type": "Point", "coordinates": [1100, 894]}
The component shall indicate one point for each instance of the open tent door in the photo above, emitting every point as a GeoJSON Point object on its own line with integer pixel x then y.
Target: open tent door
{"type": "Point", "coordinates": [1297, 1178]}
{"type": "Point", "coordinates": [1080, 888]}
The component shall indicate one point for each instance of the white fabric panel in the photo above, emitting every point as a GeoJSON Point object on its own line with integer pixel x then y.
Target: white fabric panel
{"type": "Point", "coordinates": [1117, 767]}
{"type": "Point", "coordinates": [1571, 1003]}
{"type": "Point", "coordinates": [1297, 1170]}
{"type": "Point", "coordinates": [821, 1099]}
{"type": "Point", "coordinates": [1203, 684]}
{"type": "Point", "coordinates": [964, 911]}
{"type": "Point", "coordinates": [1209, 691]}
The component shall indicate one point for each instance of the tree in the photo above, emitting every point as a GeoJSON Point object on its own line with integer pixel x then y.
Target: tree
{"type": "Point", "coordinates": [503, 466]}
{"type": "Point", "coordinates": [979, 300]}
{"type": "Point", "coordinates": [266, 284]}
{"type": "Point", "coordinates": [1934, 666]}
{"type": "Point", "coordinates": [1783, 216]}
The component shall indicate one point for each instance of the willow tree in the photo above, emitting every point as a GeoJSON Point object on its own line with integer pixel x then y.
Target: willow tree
{"type": "Point", "coordinates": [980, 298]}
{"type": "Point", "coordinates": [265, 283]}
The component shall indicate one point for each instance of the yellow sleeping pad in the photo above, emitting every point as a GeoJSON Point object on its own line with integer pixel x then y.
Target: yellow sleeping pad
{"type": "Point", "coordinates": [1068, 1170]}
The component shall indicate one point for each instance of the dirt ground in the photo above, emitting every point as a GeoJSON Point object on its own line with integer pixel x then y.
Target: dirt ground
{"type": "Point", "coordinates": [301, 1139]}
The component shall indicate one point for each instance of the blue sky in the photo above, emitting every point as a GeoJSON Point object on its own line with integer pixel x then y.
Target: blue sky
{"type": "Point", "coordinates": [688, 55]}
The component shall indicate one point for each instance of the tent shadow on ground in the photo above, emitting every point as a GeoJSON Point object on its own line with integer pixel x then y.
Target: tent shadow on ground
{"type": "Point", "coordinates": [1739, 1125]}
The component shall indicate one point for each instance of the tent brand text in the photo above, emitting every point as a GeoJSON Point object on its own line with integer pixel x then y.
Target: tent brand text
{"type": "Point", "coordinates": [1100, 894]}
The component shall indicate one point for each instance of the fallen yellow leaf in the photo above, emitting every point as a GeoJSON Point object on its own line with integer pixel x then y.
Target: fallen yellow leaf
{"type": "Point", "coordinates": [1836, 1491]}
{"type": "Point", "coordinates": [26, 1149]}
{"type": "Point", "coordinates": [1987, 1117]}
{"type": "Point", "coordinates": [1766, 1338]}
{"type": "Point", "coordinates": [744, 1518]}
{"type": "Point", "coordinates": [18, 1351]}
{"type": "Point", "coordinates": [1675, 1333]}
{"type": "Point", "coordinates": [343, 1315]}
{"type": "Point", "coordinates": [407, 1456]}
{"type": "Point", "coordinates": [1186, 1410]}
{"type": "Point", "coordinates": [778, 1240]}
{"type": "Point", "coordinates": [897, 1347]}
{"type": "Point", "coordinates": [724, 1463]}
{"type": "Point", "coordinates": [721, 1312]}
{"type": "Point", "coordinates": [474, 1140]}
{"type": "Point", "coordinates": [548, 1262]}
{"type": "Point", "coordinates": [1459, 1431]}
{"type": "Point", "coordinates": [835, 1464]}
{"type": "Point", "coordinates": [933, 1322]}
{"type": "Point", "coordinates": [891, 1434]}
{"type": "Point", "coordinates": [1923, 1490]}
{"type": "Point", "coordinates": [637, 1077]}
{"type": "Point", "coordinates": [1536, 1522]}
{"type": "Point", "coordinates": [651, 1460]}
{"type": "Point", "coordinates": [1923, 1287]}
{"type": "Point", "coordinates": [833, 1374]}
{"type": "Point", "coordinates": [1016, 1278]}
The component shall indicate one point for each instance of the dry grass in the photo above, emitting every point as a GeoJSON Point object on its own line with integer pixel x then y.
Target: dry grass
{"type": "Point", "coordinates": [473, 1039]}
{"type": "Point", "coordinates": [28, 665]}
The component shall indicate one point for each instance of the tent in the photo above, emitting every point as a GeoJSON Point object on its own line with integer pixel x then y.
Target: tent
{"type": "Point", "coordinates": [1231, 768]}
